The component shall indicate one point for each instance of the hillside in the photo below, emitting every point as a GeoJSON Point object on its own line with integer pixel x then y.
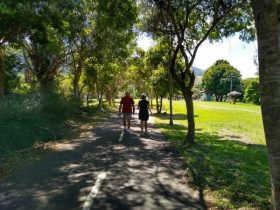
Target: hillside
{"type": "Point", "coordinates": [198, 71]}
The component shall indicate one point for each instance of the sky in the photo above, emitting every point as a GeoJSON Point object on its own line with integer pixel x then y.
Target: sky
{"type": "Point", "coordinates": [239, 54]}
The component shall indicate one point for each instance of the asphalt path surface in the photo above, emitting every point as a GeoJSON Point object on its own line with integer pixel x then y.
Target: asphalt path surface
{"type": "Point", "coordinates": [104, 168]}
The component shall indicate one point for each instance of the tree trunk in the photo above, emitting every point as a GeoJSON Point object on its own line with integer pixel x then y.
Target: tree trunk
{"type": "Point", "coordinates": [1, 81]}
{"type": "Point", "coordinates": [190, 115]}
{"type": "Point", "coordinates": [88, 95]}
{"type": "Point", "coordinates": [88, 99]}
{"type": "Point", "coordinates": [160, 107]}
{"type": "Point", "coordinates": [110, 98]}
{"type": "Point", "coordinates": [266, 15]}
{"type": "Point", "coordinates": [77, 76]}
{"type": "Point", "coordinates": [170, 98]}
{"type": "Point", "coordinates": [46, 85]}
{"type": "Point", "coordinates": [2, 84]}
{"type": "Point", "coordinates": [152, 104]}
{"type": "Point", "coordinates": [157, 105]}
{"type": "Point", "coordinates": [114, 101]}
{"type": "Point", "coordinates": [76, 89]}
{"type": "Point", "coordinates": [77, 72]}
{"type": "Point", "coordinates": [170, 81]}
{"type": "Point", "coordinates": [186, 90]}
{"type": "Point", "coordinates": [217, 97]}
{"type": "Point", "coordinates": [100, 98]}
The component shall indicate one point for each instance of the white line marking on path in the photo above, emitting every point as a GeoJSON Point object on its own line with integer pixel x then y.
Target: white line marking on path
{"type": "Point", "coordinates": [121, 137]}
{"type": "Point", "coordinates": [94, 190]}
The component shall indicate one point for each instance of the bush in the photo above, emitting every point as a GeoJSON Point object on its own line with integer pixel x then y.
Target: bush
{"type": "Point", "coordinates": [252, 92]}
{"type": "Point", "coordinates": [31, 119]}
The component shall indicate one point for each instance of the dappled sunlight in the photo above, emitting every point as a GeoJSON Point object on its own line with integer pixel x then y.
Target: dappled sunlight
{"type": "Point", "coordinates": [235, 108]}
{"type": "Point", "coordinates": [227, 162]}
{"type": "Point", "coordinates": [64, 146]}
{"type": "Point", "coordinates": [69, 167]}
{"type": "Point", "coordinates": [141, 173]}
{"type": "Point", "coordinates": [229, 168]}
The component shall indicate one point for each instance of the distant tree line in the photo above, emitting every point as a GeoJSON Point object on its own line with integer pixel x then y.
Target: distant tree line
{"type": "Point", "coordinates": [221, 78]}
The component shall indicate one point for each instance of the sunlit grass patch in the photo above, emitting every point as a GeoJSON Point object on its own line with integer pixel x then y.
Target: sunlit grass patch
{"type": "Point", "coordinates": [216, 117]}
{"type": "Point", "coordinates": [229, 161]}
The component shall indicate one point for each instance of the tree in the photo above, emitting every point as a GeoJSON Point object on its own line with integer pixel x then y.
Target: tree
{"type": "Point", "coordinates": [158, 60]}
{"type": "Point", "coordinates": [188, 24]}
{"type": "Point", "coordinates": [44, 60]}
{"type": "Point", "coordinates": [160, 85]}
{"type": "Point", "coordinates": [220, 79]}
{"type": "Point", "coordinates": [39, 26]}
{"type": "Point", "coordinates": [107, 81]}
{"type": "Point", "coordinates": [157, 63]}
{"type": "Point", "coordinates": [98, 37]}
{"type": "Point", "coordinates": [252, 91]}
{"type": "Point", "coordinates": [137, 73]}
{"type": "Point", "coordinates": [266, 15]}
{"type": "Point", "coordinates": [16, 20]}
{"type": "Point", "coordinates": [11, 67]}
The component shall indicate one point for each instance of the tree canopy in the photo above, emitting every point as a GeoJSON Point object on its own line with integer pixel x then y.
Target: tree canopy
{"type": "Point", "coordinates": [220, 79]}
{"type": "Point", "coordinates": [187, 24]}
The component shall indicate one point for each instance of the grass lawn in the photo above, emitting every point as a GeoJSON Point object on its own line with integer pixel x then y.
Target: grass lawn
{"type": "Point", "coordinates": [229, 162]}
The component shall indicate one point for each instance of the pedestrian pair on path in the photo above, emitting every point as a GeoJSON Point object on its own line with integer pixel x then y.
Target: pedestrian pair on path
{"type": "Point", "coordinates": [127, 108]}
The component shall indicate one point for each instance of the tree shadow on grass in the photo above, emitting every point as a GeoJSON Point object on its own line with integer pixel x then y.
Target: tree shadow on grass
{"type": "Point", "coordinates": [233, 171]}
{"type": "Point", "coordinates": [175, 116]}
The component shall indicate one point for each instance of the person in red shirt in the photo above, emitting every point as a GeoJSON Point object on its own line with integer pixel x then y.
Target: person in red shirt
{"type": "Point", "coordinates": [127, 108]}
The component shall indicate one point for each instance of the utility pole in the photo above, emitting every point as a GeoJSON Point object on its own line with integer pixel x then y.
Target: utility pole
{"type": "Point", "coordinates": [231, 76]}
{"type": "Point", "coordinates": [230, 84]}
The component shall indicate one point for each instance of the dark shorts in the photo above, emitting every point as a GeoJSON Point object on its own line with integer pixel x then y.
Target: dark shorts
{"type": "Point", "coordinates": [127, 116]}
{"type": "Point", "coordinates": [144, 116]}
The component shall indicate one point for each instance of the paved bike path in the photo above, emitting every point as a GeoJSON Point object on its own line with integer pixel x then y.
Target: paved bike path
{"type": "Point", "coordinates": [104, 169]}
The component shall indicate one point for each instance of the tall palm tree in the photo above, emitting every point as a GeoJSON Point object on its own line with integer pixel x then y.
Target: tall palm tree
{"type": "Point", "coordinates": [266, 15]}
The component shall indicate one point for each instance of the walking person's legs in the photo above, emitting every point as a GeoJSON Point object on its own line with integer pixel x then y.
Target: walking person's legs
{"type": "Point", "coordinates": [128, 119]}
{"type": "Point", "coordinates": [145, 122]}
{"type": "Point", "coordinates": [128, 122]}
{"type": "Point", "coordinates": [141, 126]}
{"type": "Point", "coordinates": [124, 121]}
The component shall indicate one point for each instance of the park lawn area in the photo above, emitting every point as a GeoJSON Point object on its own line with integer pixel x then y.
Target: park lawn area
{"type": "Point", "coordinates": [229, 161]}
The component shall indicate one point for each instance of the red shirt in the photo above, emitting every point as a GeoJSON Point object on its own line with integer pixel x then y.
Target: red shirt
{"type": "Point", "coordinates": [127, 104]}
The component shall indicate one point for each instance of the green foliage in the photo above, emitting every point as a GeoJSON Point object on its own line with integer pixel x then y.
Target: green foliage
{"type": "Point", "coordinates": [186, 25]}
{"type": "Point", "coordinates": [113, 30]}
{"type": "Point", "coordinates": [229, 163]}
{"type": "Point", "coordinates": [30, 18]}
{"type": "Point", "coordinates": [109, 78]}
{"type": "Point", "coordinates": [100, 37]}
{"type": "Point", "coordinates": [137, 71]}
{"type": "Point", "coordinates": [170, 17]}
{"type": "Point", "coordinates": [32, 119]}
{"type": "Point", "coordinates": [160, 82]}
{"type": "Point", "coordinates": [252, 91]}
{"type": "Point", "coordinates": [217, 79]}
{"type": "Point", "coordinates": [29, 123]}
{"type": "Point", "coordinates": [11, 67]}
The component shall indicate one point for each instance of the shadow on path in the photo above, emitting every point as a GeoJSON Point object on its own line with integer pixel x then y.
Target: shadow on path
{"type": "Point", "coordinates": [142, 173]}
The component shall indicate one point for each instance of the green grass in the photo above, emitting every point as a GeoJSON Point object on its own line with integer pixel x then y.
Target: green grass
{"type": "Point", "coordinates": [26, 125]}
{"type": "Point", "coordinates": [229, 162]}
